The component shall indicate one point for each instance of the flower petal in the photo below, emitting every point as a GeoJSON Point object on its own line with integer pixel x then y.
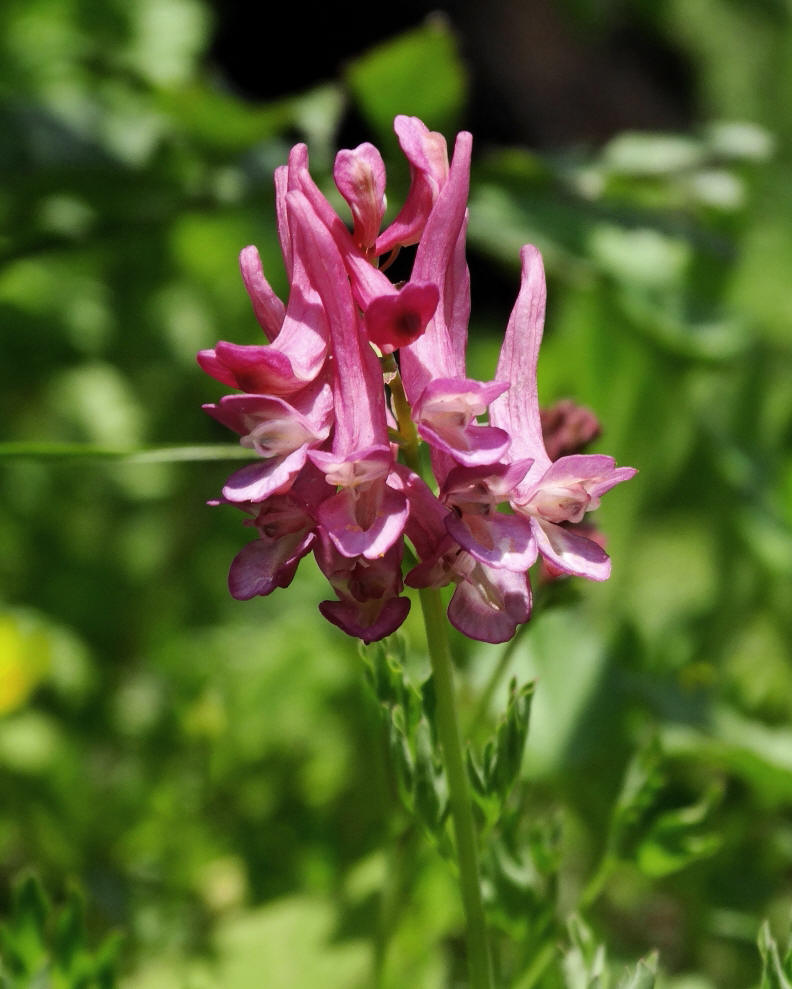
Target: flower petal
{"type": "Point", "coordinates": [394, 321]}
{"type": "Point", "coordinates": [490, 604]}
{"type": "Point", "coordinates": [370, 620]}
{"type": "Point", "coordinates": [503, 541]}
{"type": "Point", "coordinates": [517, 411]}
{"type": "Point", "coordinates": [257, 482]}
{"type": "Point", "coordinates": [265, 564]}
{"type": "Point", "coordinates": [427, 154]}
{"type": "Point", "coordinates": [269, 310]}
{"type": "Point", "coordinates": [360, 177]}
{"type": "Point", "coordinates": [439, 352]}
{"type": "Point", "coordinates": [368, 536]}
{"type": "Point", "coordinates": [571, 553]}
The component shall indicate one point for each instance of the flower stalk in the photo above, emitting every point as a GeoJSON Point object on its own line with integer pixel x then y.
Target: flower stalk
{"type": "Point", "coordinates": [479, 963]}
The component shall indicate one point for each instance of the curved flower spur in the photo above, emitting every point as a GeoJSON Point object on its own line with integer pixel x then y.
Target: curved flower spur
{"type": "Point", "coordinates": [337, 468]}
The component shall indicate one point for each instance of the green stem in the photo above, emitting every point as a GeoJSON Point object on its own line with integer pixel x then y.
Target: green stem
{"type": "Point", "coordinates": [538, 967]}
{"type": "Point", "coordinates": [596, 884]}
{"type": "Point", "coordinates": [479, 962]}
{"type": "Point", "coordinates": [43, 450]}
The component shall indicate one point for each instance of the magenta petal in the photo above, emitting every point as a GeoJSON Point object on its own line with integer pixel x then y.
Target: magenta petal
{"type": "Point", "coordinates": [439, 352]}
{"type": "Point", "coordinates": [269, 309]}
{"type": "Point", "coordinates": [579, 467]}
{"type": "Point", "coordinates": [490, 604]}
{"type": "Point", "coordinates": [358, 393]}
{"type": "Point", "coordinates": [596, 472]}
{"type": "Point", "coordinates": [284, 236]}
{"type": "Point", "coordinates": [208, 361]}
{"type": "Point", "coordinates": [476, 446]}
{"type": "Point", "coordinates": [339, 515]}
{"type": "Point", "coordinates": [367, 282]}
{"type": "Point", "coordinates": [360, 177]}
{"type": "Point", "coordinates": [357, 469]}
{"type": "Point", "coordinates": [427, 154]}
{"type": "Point", "coordinates": [488, 484]}
{"type": "Point", "coordinates": [369, 621]}
{"type": "Point", "coordinates": [274, 427]}
{"type": "Point", "coordinates": [517, 411]}
{"type": "Point", "coordinates": [394, 321]}
{"type": "Point", "coordinates": [267, 425]}
{"type": "Point", "coordinates": [502, 541]}
{"type": "Point", "coordinates": [445, 414]}
{"type": "Point", "coordinates": [259, 481]}
{"type": "Point", "coordinates": [265, 564]}
{"type": "Point", "coordinates": [571, 487]}
{"type": "Point", "coordinates": [457, 397]}
{"type": "Point", "coordinates": [256, 369]}
{"type": "Point", "coordinates": [571, 553]}
{"type": "Point", "coordinates": [426, 523]}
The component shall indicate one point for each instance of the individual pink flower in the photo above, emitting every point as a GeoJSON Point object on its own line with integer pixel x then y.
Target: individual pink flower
{"type": "Point", "coordinates": [298, 350]}
{"type": "Point", "coordinates": [286, 532]}
{"type": "Point", "coordinates": [365, 517]}
{"type": "Point", "coordinates": [280, 432]}
{"type": "Point", "coordinates": [369, 605]}
{"type": "Point", "coordinates": [445, 402]}
{"type": "Point", "coordinates": [551, 493]}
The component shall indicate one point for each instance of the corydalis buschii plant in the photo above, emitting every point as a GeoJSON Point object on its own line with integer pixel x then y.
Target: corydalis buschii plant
{"type": "Point", "coordinates": [311, 404]}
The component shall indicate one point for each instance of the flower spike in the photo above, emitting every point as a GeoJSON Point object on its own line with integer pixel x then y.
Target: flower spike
{"type": "Point", "coordinates": [311, 408]}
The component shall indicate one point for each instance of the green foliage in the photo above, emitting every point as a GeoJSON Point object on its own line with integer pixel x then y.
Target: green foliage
{"type": "Point", "coordinates": [383, 80]}
{"type": "Point", "coordinates": [41, 945]}
{"type": "Point", "coordinates": [660, 841]}
{"type": "Point", "coordinates": [585, 965]}
{"type": "Point", "coordinates": [776, 965]}
{"type": "Point", "coordinates": [414, 751]}
{"type": "Point", "coordinates": [492, 781]}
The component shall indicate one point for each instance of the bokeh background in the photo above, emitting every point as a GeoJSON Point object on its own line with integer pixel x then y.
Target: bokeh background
{"type": "Point", "coordinates": [213, 775]}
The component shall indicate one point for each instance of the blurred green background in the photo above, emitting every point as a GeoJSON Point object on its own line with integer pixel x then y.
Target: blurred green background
{"type": "Point", "coordinates": [213, 774]}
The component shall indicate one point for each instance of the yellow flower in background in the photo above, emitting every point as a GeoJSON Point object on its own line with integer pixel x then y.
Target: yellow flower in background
{"type": "Point", "coordinates": [25, 659]}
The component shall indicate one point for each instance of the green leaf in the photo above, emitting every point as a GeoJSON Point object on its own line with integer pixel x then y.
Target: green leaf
{"type": "Point", "coordinates": [46, 947]}
{"type": "Point", "coordinates": [644, 975]}
{"type": "Point", "coordinates": [673, 844]}
{"type": "Point", "coordinates": [68, 935]}
{"type": "Point", "coordinates": [413, 747]}
{"type": "Point", "coordinates": [510, 738]}
{"type": "Point", "coordinates": [776, 972]}
{"type": "Point", "coordinates": [584, 962]}
{"type": "Point", "coordinates": [419, 73]}
{"type": "Point", "coordinates": [647, 154]}
{"type": "Point", "coordinates": [642, 781]}
{"type": "Point", "coordinates": [430, 790]}
{"type": "Point", "coordinates": [23, 943]}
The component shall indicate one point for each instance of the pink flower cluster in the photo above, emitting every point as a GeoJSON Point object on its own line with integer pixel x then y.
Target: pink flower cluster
{"type": "Point", "coordinates": [313, 406]}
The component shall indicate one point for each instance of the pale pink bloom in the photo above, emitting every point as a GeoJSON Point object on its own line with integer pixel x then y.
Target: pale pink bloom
{"type": "Point", "coordinates": [551, 492]}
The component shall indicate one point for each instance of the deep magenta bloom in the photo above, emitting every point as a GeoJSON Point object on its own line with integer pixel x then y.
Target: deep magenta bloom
{"type": "Point", "coordinates": [312, 406]}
